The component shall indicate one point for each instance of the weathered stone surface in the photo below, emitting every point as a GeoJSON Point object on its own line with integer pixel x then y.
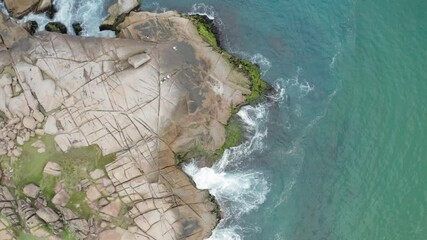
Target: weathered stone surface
{"type": "Point", "coordinates": [93, 194]}
{"type": "Point", "coordinates": [19, 9]}
{"type": "Point", "coordinates": [61, 198]}
{"type": "Point", "coordinates": [96, 174]}
{"type": "Point", "coordinates": [116, 10]}
{"type": "Point", "coordinates": [44, 5]}
{"type": "Point", "coordinates": [5, 232]}
{"type": "Point", "coordinates": [139, 59]}
{"type": "Point", "coordinates": [50, 126]}
{"type": "Point", "coordinates": [77, 225]}
{"type": "Point", "coordinates": [29, 123]}
{"type": "Point", "coordinates": [118, 233]}
{"type": "Point", "coordinates": [112, 209]}
{"type": "Point", "coordinates": [41, 147]}
{"type": "Point", "coordinates": [8, 205]}
{"type": "Point", "coordinates": [31, 190]}
{"type": "Point", "coordinates": [157, 90]}
{"type": "Point", "coordinates": [38, 116]}
{"type": "Point", "coordinates": [48, 215]}
{"type": "Point", "coordinates": [53, 169]}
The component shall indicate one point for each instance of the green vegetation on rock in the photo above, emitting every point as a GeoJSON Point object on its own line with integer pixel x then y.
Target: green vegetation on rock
{"type": "Point", "coordinates": [79, 205]}
{"type": "Point", "coordinates": [67, 234]}
{"type": "Point", "coordinates": [234, 130]}
{"type": "Point", "coordinates": [26, 236]}
{"type": "Point", "coordinates": [75, 164]}
{"type": "Point", "coordinates": [2, 116]}
{"type": "Point", "coordinates": [56, 27]}
{"type": "Point", "coordinates": [209, 33]}
{"type": "Point", "coordinates": [8, 69]}
{"type": "Point", "coordinates": [77, 27]}
{"type": "Point", "coordinates": [234, 134]}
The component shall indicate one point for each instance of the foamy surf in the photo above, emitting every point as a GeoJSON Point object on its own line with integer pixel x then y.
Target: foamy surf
{"type": "Point", "coordinates": [203, 9]}
{"type": "Point", "coordinates": [88, 13]}
{"type": "Point", "coordinates": [238, 188]}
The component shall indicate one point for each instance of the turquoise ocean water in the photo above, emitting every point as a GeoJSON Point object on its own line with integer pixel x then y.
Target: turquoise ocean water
{"type": "Point", "coordinates": [345, 153]}
{"type": "Point", "coordinates": [341, 152]}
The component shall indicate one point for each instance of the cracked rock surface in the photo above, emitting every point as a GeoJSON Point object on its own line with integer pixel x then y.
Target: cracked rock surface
{"type": "Point", "coordinates": [156, 90]}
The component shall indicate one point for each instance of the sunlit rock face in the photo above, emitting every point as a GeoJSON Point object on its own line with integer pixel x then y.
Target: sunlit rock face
{"type": "Point", "coordinates": [156, 90]}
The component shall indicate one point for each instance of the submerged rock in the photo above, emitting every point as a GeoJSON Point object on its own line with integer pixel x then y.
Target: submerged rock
{"type": "Point", "coordinates": [56, 27]}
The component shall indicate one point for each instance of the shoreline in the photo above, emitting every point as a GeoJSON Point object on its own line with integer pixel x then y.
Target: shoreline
{"type": "Point", "coordinates": [172, 140]}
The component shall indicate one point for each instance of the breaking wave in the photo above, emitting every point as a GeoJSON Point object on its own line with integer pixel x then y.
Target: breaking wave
{"type": "Point", "coordinates": [88, 13]}
{"type": "Point", "coordinates": [237, 187]}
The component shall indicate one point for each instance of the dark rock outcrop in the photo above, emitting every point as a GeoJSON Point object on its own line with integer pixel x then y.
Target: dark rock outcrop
{"type": "Point", "coordinates": [77, 27]}
{"type": "Point", "coordinates": [56, 27]}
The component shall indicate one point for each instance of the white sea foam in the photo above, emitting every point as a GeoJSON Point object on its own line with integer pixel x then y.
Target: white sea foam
{"type": "Point", "coordinates": [88, 13]}
{"type": "Point", "coordinates": [237, 187]}
{"type": "Point", "coordinates": [299, 86]}
{"type": "Point", "coordinates": [257, 58]}
{"type": "Point", "coordinates": [155, 7]}
{"type": "Point", "coordinates": [3, 9]}
{"type": "Point", "coordinates": [203, 9]}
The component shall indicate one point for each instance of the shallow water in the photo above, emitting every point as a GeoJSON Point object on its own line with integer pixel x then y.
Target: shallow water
{"type": "Point", "coordinates": [340, 153]}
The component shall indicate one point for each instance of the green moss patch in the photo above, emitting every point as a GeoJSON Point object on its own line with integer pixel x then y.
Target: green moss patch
{"type": "Point", "coordinates": [79, 205]}
{"type": "Point", "coordinates": [234, 135]}
{"type": "Point", "coordinates": [235, 132]}
{"type": "Point", "coordinates": [26, 236]}
{"type": "Point", "coordinates": [75, 164]}
{"type": "Point", "coordinates": [67, 234]}
{"type": "Point", "coordinates": [3, 117]}
{"type": "Point", "coordinates": [209, 33]}
{"type": "Point", "coordinates": [206, 30]}
{"type": "Point", "coordinates": [9, 69]}
{"type": "Point", "coordinates": [56, 27]}
{"type": "Point", "coordinates": [121, 220]}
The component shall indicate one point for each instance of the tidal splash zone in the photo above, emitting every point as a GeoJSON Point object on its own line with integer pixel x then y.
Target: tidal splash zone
{"type": "Point", "coordinates": [237, 187]}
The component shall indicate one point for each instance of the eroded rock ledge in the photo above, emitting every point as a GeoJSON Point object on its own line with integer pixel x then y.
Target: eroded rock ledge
{"type": "Point", "coordinates": [155, 91]}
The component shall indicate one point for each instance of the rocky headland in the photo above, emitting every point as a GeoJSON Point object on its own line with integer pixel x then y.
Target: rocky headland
{"type": "Point", "coordinates": [92, 129]}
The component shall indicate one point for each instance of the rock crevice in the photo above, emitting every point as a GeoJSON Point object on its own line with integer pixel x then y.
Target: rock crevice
{"type": "Point", "coordinates": [156, 90]}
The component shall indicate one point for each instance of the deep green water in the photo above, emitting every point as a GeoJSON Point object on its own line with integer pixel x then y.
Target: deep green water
{"type": "Point", "coordinates": [345, 154]}
{"type": "Point", "coordinates": [346, 160]}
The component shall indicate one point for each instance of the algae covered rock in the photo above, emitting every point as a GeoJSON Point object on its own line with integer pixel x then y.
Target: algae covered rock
{"type": "Point", "coordinates": [56, 27]}
{"type": "Point", "coordinates": [77, 27]}
{"type": "Point", "coordinates": [31, 26]}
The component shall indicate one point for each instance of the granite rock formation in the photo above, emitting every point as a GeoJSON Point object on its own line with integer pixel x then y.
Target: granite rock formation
{"type": "Point", "coordinates": [156, 90]}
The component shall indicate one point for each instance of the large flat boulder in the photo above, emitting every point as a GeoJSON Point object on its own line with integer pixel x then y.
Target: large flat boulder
{"type": "Point", "coordinates": [20, 8]}
{"type": "Point", "coordinates": [10, 32]}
